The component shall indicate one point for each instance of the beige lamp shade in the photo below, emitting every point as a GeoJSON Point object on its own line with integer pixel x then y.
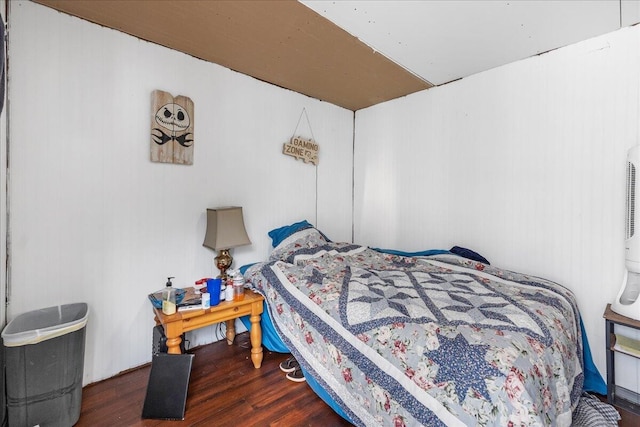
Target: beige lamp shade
{"type": "Point", "coordinates": [225, 229]}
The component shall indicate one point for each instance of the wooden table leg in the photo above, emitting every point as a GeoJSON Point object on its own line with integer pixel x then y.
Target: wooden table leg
{"type": "Point", "coordinates": [256, 341]}
{"type": "Point", "coordinates": [231, 331]}
{"type": "Point", "coordinates": [173, 332]}
{"type": "Point", "coordinates": [173, 345]}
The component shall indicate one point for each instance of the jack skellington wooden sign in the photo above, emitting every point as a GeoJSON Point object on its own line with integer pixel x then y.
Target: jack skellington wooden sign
{"type": "Point", "coordinates": [171, 128]}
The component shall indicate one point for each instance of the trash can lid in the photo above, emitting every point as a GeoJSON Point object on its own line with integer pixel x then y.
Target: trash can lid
{"type": "Point", "coordinates": [40, 325]}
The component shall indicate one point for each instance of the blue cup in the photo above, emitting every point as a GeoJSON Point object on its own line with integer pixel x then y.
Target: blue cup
{"type": "Point", "coordinates": [213, 287]}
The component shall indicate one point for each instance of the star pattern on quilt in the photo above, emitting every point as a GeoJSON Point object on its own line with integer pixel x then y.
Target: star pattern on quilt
{"type": "Point", "coordinates": [376, 297]}
{"type": "Point", "coordinates": [381, 303]}
{"type": "Point", "coordinates": [463, 364]}
{"type": "Point", "coordinates": [380, 300]}
{"type": "Point", "coordinates": [484, 309]}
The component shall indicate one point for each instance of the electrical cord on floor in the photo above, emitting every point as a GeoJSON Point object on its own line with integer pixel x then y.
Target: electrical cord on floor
{"type": "Point", "coordinates": [221, 328]}
{"type": "Point", "coordinates": [219, 332]}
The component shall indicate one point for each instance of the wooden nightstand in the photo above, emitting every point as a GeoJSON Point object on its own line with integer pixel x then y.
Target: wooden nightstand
{"type": "Point", "coordinates": [613, 319]}
{"type": "Point", "coordinates": [227, 311]}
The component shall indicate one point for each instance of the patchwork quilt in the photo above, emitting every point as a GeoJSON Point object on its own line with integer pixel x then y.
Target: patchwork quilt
{"type": "Point", "coordinates": [426, 340]}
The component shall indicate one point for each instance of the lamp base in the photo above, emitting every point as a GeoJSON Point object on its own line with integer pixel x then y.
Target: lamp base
{"type": "Point", "coordinates": [223, 262]}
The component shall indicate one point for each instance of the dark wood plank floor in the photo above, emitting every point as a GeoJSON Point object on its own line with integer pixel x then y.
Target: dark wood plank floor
{"type": "Point", "coordinates": [224, 390]}
{"type": "Point", "coordinates": [629, 419]}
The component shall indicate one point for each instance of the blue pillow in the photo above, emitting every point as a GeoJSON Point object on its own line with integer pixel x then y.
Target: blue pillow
{"type": "Point", "coordinates": [427, 252]}
{"type": "Point", "coordinates": [469, 254]}
{"type": "Point", "coordinates": [243, 269]}
{"type": "Point", "coordinates": [279, 234]}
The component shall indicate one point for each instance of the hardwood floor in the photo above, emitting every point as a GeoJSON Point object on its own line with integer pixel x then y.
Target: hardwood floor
{"type": "Point", "coordinates": [224, 390]}
{"type": "Point", "coordinates": [629, 419]}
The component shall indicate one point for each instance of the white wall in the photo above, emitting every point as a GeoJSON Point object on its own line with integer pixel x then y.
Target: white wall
{"type": "Point", "coordinates": [524, 163]}
{"type": "Point", "coordinates": [92, 219]}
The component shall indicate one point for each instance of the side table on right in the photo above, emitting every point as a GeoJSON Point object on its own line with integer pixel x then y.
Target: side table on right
{"type": "Point", "coordinates": [612, 319]}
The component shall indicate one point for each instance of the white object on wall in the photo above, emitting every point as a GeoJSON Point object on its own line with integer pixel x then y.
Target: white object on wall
{"type": "Point", "coordinates": [627, 302]}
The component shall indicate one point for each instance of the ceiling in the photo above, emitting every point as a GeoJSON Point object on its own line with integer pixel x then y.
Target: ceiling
{"type": "Point", "coordinates": [355, 54]}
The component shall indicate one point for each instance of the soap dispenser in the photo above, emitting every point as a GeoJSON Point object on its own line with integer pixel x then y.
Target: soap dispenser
{"type": "Point", "coordinates": [169, 298]}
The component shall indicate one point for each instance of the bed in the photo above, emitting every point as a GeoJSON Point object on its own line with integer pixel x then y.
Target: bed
{"type": "Point", "coordinates": [428, 338]}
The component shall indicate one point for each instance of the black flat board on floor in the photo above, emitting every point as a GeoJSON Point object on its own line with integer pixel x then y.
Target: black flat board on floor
{"type": "Point", "coordinates": [167, 388]}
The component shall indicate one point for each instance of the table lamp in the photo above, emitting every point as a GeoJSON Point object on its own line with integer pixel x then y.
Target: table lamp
{"type": "Point", "coordinates": [225, 230]}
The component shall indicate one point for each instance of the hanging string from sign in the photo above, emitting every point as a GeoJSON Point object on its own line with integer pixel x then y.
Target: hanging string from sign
{"type": "Point", "coordinates": [306, 150]}
{"type": "Point", "coordinates": [306, 116]}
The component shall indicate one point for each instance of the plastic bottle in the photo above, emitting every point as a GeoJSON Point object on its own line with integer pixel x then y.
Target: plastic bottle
{"type": "Point", "coordinates": [238, 287]}
{"type": "Point", "coordinates": [169, 298]}
{"type": "Point", "coordinates": [199, 285]}
{"type": "Point", "coordinates": [229, 289]}
{"type": "Point", "coordinates": [206, 300]}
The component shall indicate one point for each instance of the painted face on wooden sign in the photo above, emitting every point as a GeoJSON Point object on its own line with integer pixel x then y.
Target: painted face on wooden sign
{"type": "Point", "coordinates": [171, 128]}
{"type": "Point", "coordinates": [173, 117]}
